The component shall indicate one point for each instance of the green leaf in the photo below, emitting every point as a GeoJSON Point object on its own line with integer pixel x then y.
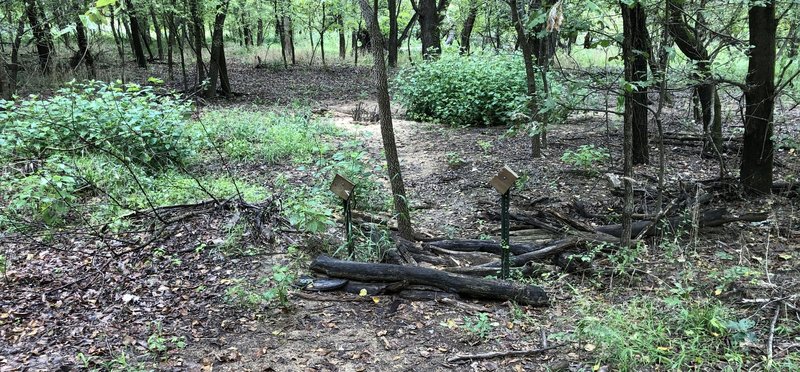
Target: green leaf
{"type": "Point", "coordinates": [104, 3]}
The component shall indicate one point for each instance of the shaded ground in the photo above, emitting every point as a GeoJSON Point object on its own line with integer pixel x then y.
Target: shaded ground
{"type": "Point", "coordinates": [57, 303]}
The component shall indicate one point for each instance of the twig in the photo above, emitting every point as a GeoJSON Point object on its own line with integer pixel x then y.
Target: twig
{"type": "Point", "coordinates": [501, 354]}
{"type": "Point", "coordinates": [772, 332]}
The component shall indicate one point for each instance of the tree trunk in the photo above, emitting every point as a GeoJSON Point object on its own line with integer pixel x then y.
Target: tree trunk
{"type": "Point", "coordinates": [288, 35]}
{"type": "Point", "coordinates": [83, 54]}
{"type": "Point", "coordinates": [342, 40]}
{"type": "Point", "coordinates": [757, 151]}
{"type": "Point", "coordinates": [135, 35]}
{"type": "Point", "coordinates": [469, 24]}
{"type": "Point", "coordinates": [144, 28]}
{"type": "Point", "coordinates": [693, 48]}
{"type": "Point", "coordinates": [158, 33]}
{"type": "Point", "coordinates": [40, 34]}
{"type": "Point", "coordinates": [171, 30]}
{"type": "Point", "coordinates": [322, 36]}
{"type": "Point", "coordinates": [217, 44]}
{"type": "Point", "coordinates": [634, 54]}
{"type": "Point", "coordinates": [387, 130]}
{"type": "Point", "coordinates": [115, 33]}
{"type": "Point", "coordinates": [430, 17]}
{"type": "Point", "coordinates": [260, 32]}
{"type": "Point", "coordinates": [392, 44]}
{"type": "Point", "coordinates": [280, 31]}
{"type": "Point", "coordinates": [198, 36]}
{"type": "Point", "coordinates": [530, 76]}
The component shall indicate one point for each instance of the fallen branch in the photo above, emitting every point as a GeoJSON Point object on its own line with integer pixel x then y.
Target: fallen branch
{"type": "Point", "coordinates": [502, 354]}
{"type": "Point", "coordinates": [465, 286]}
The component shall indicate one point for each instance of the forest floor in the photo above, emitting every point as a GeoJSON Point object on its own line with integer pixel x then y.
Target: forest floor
{"type": "Point", "coordinates": [747, 274]}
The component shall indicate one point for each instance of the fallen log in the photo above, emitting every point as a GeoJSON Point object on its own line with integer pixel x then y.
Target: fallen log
{"type": "Point", "coordinates": [529, 270]}
{"type": "Point", "coordinates": [462, 285]}
{"type": "Point", "coordinates": [709, 218]}
{"type": "Point", "coordinates": [476, 245]}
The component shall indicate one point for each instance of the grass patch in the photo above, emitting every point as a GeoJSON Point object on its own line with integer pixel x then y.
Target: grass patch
{"type": "Point", "coordinates": [249, 135]}
{"type": "Point", "coordinates": [674, 333]}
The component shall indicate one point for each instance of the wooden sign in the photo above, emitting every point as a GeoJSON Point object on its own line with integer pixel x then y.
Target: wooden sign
{"type": "Point", "coordinates": [342, 187]}
{"type": "Point", "coordinates": [504, 180]}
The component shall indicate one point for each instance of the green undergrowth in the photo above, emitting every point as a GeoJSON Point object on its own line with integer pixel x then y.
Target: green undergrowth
{"type": "Point", "coordinates": [266, 137]}
{"type": "Point", "coordinates": [482, 89]}
{"type": "Point", "coordinates": [675, 333]}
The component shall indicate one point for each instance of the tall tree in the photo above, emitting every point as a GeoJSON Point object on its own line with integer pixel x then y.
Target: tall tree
{"type": "Point", "coordinates": [196, 20]}
{"type": "Point", "coordinates": [83, 55]}
{"type": "Point", "coordinates": [217, 67]}
{"type": "Point", "coordinates": [41, 34]}
{"type": "Point", "coordinates": [634, 53]}
{"type": "Point", "coordinates": [392, 44]}
{"type": "Point", "coordinates": [135, 35]}
{"type": "Point", "coordinates": [686, 37]}
{"type": "Point", "coordinates": [387, 130]}
{"type": "Point", "coordinates": [469, 24]}
{"type": "Point", "coordinates": [430, 18]}
{"type": "Point", "coordinates": [530, 76]}
{"type": "Point", "coordinates": [757, 151]}
{"type": "Point", "coordinates": [157, 27]}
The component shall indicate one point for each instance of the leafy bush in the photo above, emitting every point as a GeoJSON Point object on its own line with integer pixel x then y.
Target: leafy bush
{"type": "Point", "coordinates": [128, 122]}
{"type": "Point", "coordinates": [586, 157]}
{"type": "Point", "coordinates": [247, 135]}
{"type": "Point", "coordinates": [480, 89]}
{"type": "Point", "coordinates": [672, 334]}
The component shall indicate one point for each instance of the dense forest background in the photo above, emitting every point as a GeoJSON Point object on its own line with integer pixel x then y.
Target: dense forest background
{"type": "Point", "coordinates": [166, 198]}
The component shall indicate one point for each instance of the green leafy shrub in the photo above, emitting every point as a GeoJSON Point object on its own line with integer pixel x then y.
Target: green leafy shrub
{"type": "Point", "coordinates": [586, 158]}
{"type": "Point", "coordinates": [128, 122]}
{"type": "Point", "coordinates": [249, 135]}
{"type": "Point", "coordinates": [480, 89]}
{"type": "Point", "coordinates": [671, 334]}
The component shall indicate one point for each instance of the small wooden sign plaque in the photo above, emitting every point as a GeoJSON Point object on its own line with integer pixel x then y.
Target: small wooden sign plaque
{"type": "Point", "coordinates": [504, 180]}
{"type": "Point", "coordinates": [342, 187]}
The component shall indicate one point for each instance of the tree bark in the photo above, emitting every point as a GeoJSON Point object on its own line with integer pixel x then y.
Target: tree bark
{"type": "Point", "coordinates": [530, 76]}
{"type": "Point", "coordinates": [217, 46]}
{"type": "Point", "coordinates": [40, 34]}
{"type": "Point", "coordinates": [83, 54]}
{"type": "Point", "coordinates": [634, 54]}
{"type": "Point", "coordinates": [466, 286]}
{"type": "Point", "coordinates": [757, 151]}
{"type": "Point", "coordinates": [469, 24]}
{"type": "Point", "coordinates": [288, 35]}
{"type": "Point", "coordinates": [260, 32]}
{"type": "Point", "coordinates": [157, 27]}
{"type": "Point", "coordinates": [198, 36]}
{"type": "Point", "coordinates": [392, 44]}
{"type": "Point", "coordinates": [430, 17]}
{"type": "Point", "coordinates": [135, 35]}
{"type": "Point", "coordinates": [342, 39]}
{"type": "Point", "coordinates": [387, 130]}
{"type": "Point", "coordinates": [687, 41]}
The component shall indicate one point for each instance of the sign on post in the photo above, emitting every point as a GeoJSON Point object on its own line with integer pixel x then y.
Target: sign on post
{"type": "Point", "coordinates": [503, 182]}
{"type": "Point", "coordinates": [343, 188]}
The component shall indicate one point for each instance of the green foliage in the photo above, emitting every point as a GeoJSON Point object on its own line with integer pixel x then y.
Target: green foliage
{"type": "Point", "coordinates": [454, 159]}
{"type": "Point", "coordinates": [674, 334]}
{"type": "Point", "coordinates": [159, 343]}
{"type": "Point", "coordinates": [480, 89]}
{"type": "Point", "coordinates": [586, 158]}
{"type": "Point", "coordinates": [479, 325]}
{"type": "Point", "coordinates": [268, 291]}
{"type": "Point", "coordinates": [307, 209]}
{"type": "Point", "coordinates": [127, 122]}
{"type": "Point", "coordinates": [249, 135]}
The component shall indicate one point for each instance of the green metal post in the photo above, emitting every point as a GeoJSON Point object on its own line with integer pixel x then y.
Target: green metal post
{"type": "Point", "coordinates": [504, 227]}
{"type": "Point", "coordinates": [348, 228]}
